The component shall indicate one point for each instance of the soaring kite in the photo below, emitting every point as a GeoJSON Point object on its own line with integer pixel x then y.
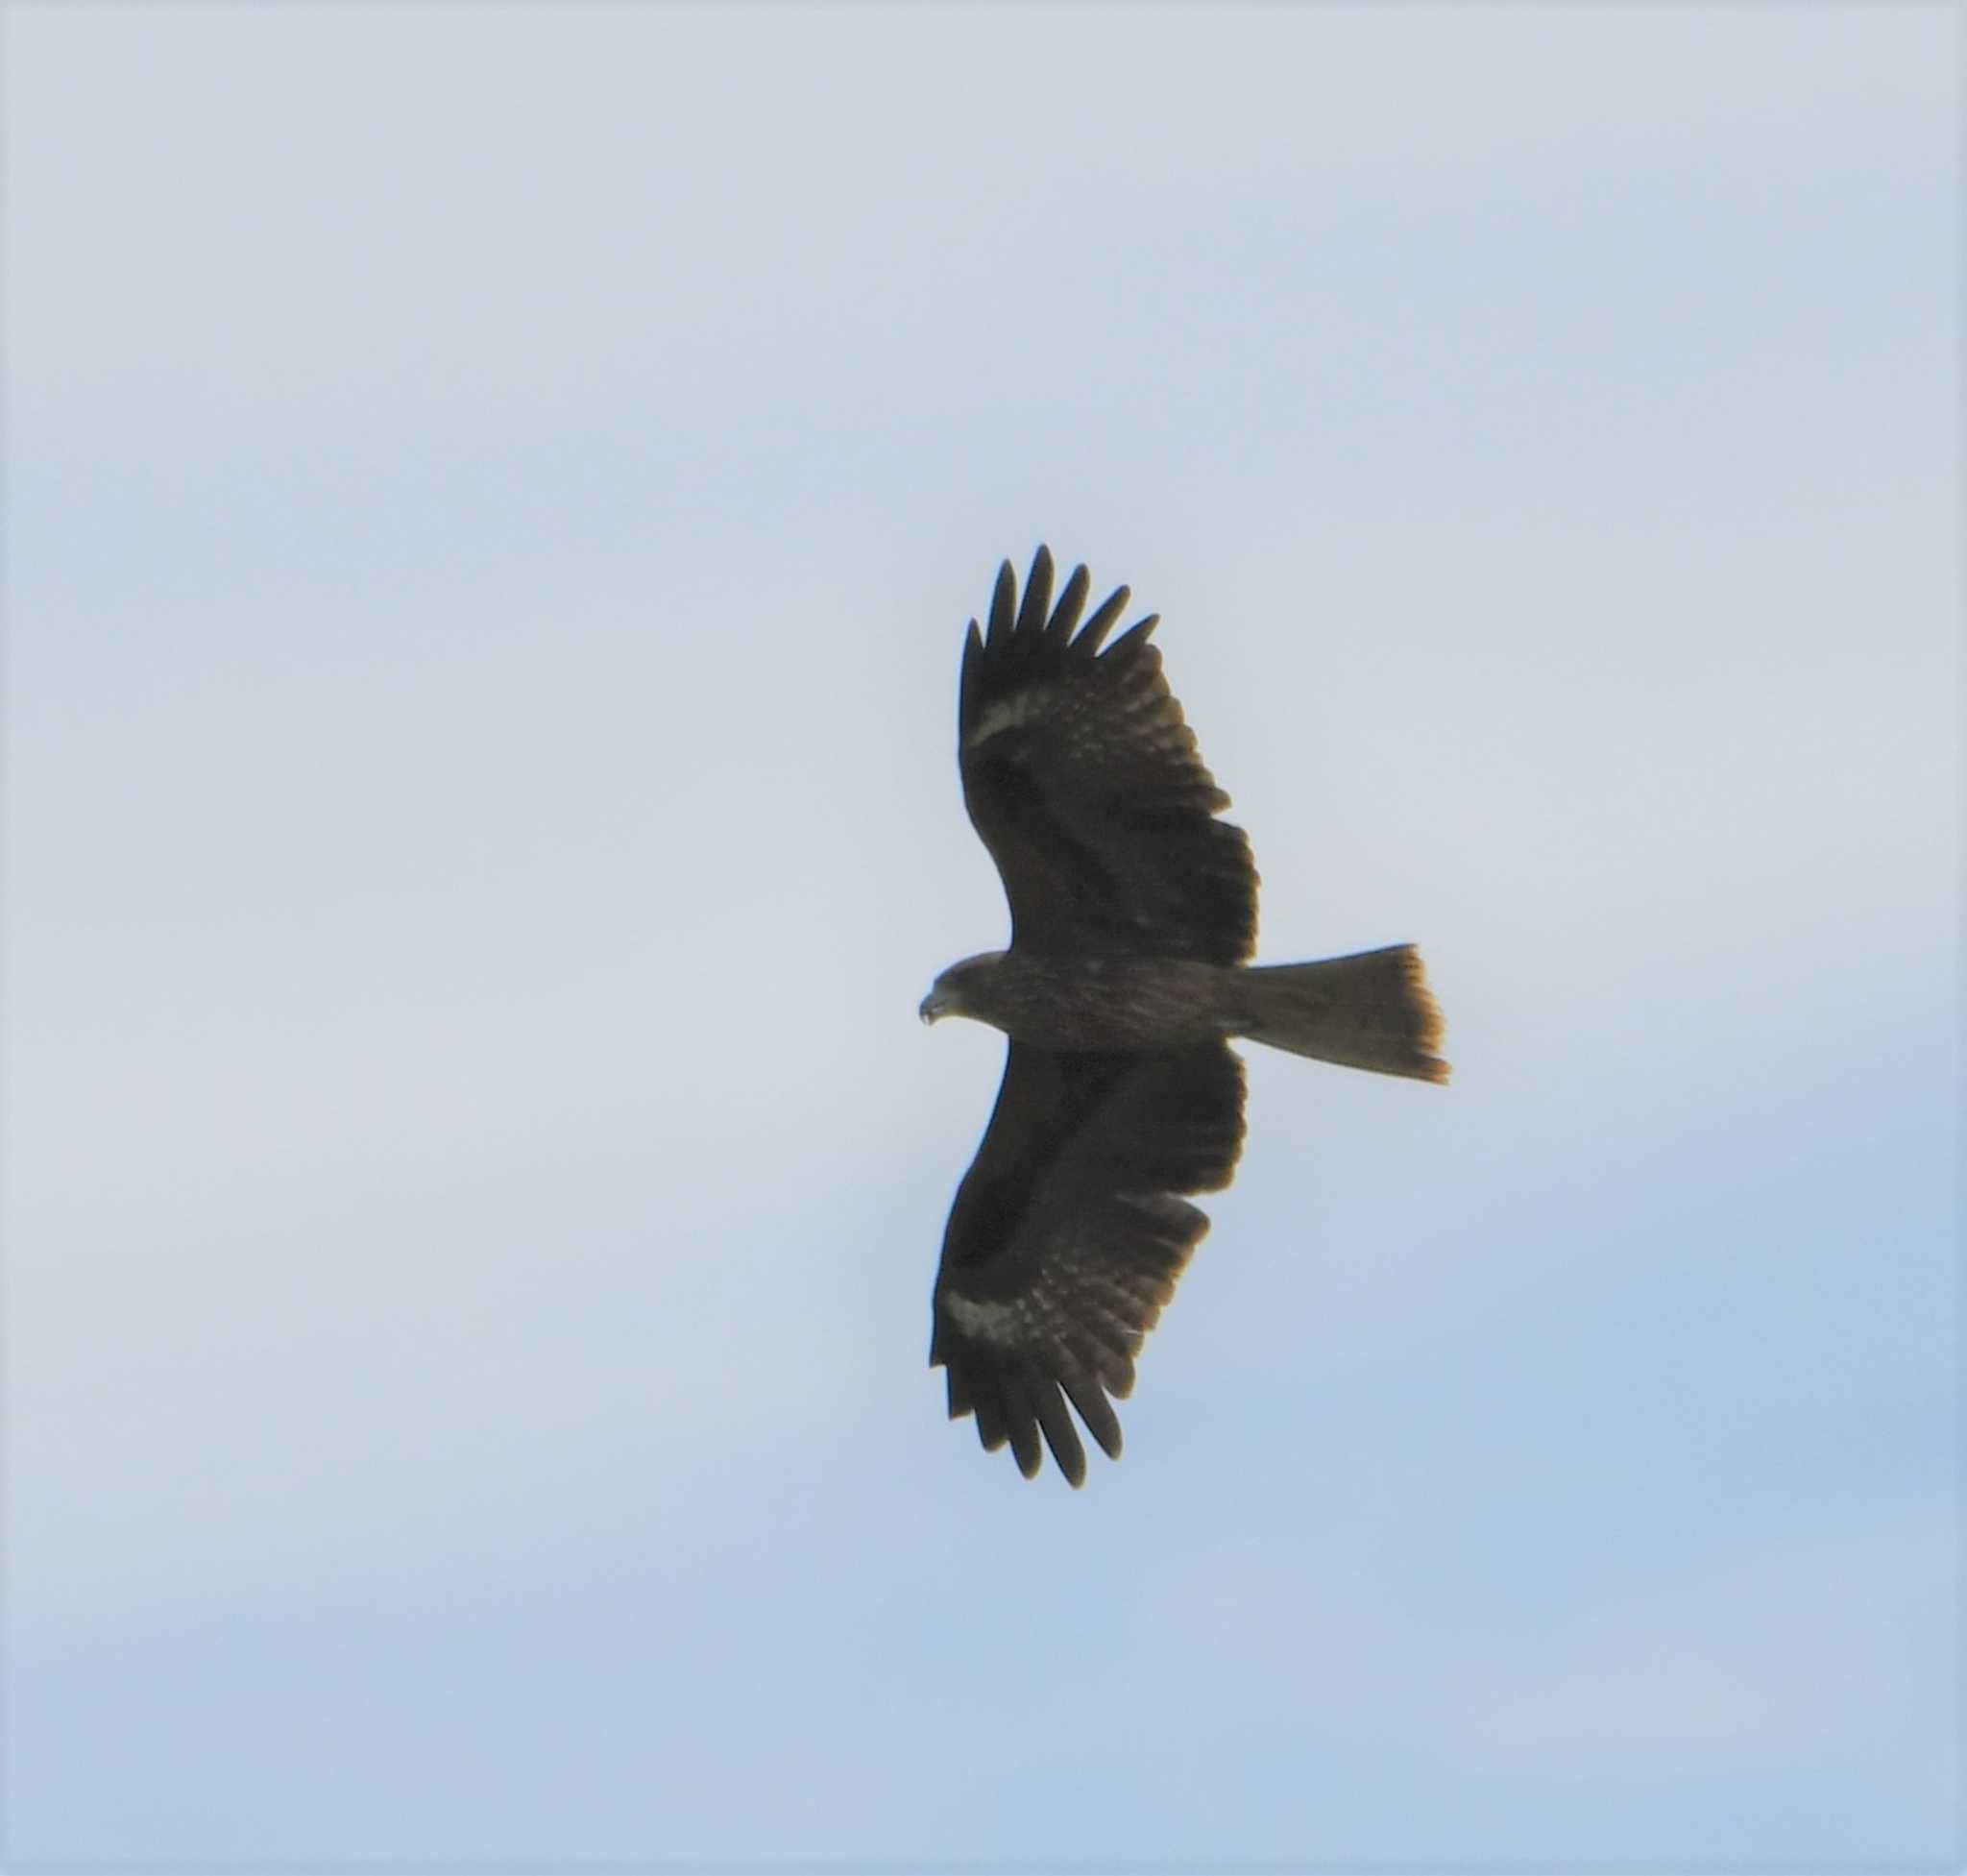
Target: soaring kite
{"type": "Point", "coordinates": [1132, 912]}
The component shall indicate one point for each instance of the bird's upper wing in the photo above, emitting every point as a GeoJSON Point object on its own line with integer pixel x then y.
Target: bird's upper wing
{"type": "Point", "coordinates": [1085, 783]}
{"type": "Point", "coordinates": [1069, 1233]}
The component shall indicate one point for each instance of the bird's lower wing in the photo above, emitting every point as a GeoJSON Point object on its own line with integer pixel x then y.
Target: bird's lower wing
{"type": "Point", "coordinates": [1069, 1233]}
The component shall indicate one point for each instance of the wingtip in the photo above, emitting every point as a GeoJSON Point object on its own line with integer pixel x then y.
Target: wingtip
{"type": "Point", "coordinates": [1003, 602]}
{"type": "Point", "coordinates": [1038, 601]}
{"type": "Point", "coordinates": [1065, 615]}
{"type": "Point", "coordinates": [1029, 619]}
{"type": "Point", "coordinates": [1093, 634]}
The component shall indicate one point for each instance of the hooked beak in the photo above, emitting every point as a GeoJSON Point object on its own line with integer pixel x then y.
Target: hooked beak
{"type": "Point", "coordinates": [932, 1007]}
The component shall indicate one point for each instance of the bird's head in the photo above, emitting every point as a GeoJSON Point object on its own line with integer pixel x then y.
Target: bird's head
{"type": "Point", "coordinates": [950, 994]}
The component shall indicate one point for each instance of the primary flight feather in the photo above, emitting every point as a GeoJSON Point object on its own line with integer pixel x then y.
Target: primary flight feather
{"type": "Point", "coordinates": [1134, 912]}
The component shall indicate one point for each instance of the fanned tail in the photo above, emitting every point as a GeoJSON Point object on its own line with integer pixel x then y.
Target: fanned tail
{"type": "Point", "coordinates": [1372, 1010]}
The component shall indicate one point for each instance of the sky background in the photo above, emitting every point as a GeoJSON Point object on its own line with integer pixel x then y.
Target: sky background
{"type": "Point", "coordinates": [493, 499]}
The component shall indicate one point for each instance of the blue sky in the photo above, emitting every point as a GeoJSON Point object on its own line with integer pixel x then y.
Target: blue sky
{"type": "Point", "coordinates": [492, 500]}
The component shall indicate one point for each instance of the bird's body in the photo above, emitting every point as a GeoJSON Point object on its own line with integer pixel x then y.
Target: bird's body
{"type": "Point", "coordinates": [1092, 1003]}
{"type": "Point", "coordinates": [1134, 912]}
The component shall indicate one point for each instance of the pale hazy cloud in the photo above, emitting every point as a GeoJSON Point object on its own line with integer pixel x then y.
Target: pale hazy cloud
{"type": "Point", "coordinates": [492, 501]}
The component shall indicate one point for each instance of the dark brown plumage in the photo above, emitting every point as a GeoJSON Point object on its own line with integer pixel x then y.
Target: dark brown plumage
{"type": "Point", "coordinates": [1133, 909]}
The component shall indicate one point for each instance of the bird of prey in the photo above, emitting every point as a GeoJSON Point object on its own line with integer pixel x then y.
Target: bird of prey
{"type": "Point", "coordinates": [1133, 913]}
